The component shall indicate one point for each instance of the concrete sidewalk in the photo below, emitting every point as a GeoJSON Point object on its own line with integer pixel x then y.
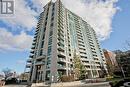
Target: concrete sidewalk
{"type": "Point", "coordinates": [73, 84]}
{"type": "Point", "coordinates": [80, 84]}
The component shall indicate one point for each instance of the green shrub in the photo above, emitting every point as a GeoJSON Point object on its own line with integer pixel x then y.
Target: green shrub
{"type": "Point", "coordinates": [68, 78]}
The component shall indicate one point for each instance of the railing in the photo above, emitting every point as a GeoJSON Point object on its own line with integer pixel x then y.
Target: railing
{"type": "Point", "coordinates": [29, 60]}
{"type": "Point", "coordinates": [41, 57]}
{"type": "Point", "coordinates": [28, 65]}
{"type": "Point", "coordinates": [61, 59]}
{"type": "Point", "coordinates": [40, 63]}
{"type": "Point", "coordinates": [61, 67]}
{"type": "Point", "coordinates": [61, 53]}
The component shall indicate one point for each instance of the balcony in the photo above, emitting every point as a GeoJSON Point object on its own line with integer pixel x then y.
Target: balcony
{"type": "Point", "coordinates": [96, 58]}
{"type": "Point", "coordinates": [61, 60]}
{"type": "Point", "coordinates": [35, 36]}
{"type": "Point", "coordinates": [86, 64]}
{"type": "Point", "coordinates": [60, 48]}
{"type": "Point", "coordinates": [61, 41]}
{"type": "Point", "coordinates": [40, 63]}
{"type": "Point", "coordinates": [41, 57]}
{"type": "Point", "coordinates": [27, 72]}
{"type": "Point", "coordinates": [61, 67]}
{"type": "Point", "coordinates": [29, 60]}
{"type": "Point", "coordinates": [83, 55]}
{"type": "Point", "coordinates": [61, 54]}
{"type": "Point", "coordinates": [37, 30]}
{"type": "Point", "coordinates": [97, 64]}
{"type": "Point", "coordinates": [33, 43]}
{"type": "Point", "coordinates": [34, 40]}
{"type": "Point", "coordinates": [33, 47]}
{"type": "Point", "coordinates": [32, 52]}
{"type": "Point", "coordinates": [36, 33]}
{"type": "Point", "coordinates": [31, 56]}
{"type": "Point", "coordinates": [28, 65]}
{"type": "Point", "coordinates": [84, 59]}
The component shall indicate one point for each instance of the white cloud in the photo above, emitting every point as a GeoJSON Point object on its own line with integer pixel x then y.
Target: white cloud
{"type": "Point", "coordinates": [20, 42]}
{"type": "Point", "coordinates": [39, 4]}
{"type": "Point", "coordinates": [21, 61]}
{"type": "Point", "coordinates": [98, 13]}
{"type": "Point", "coordinates": [24, 17]}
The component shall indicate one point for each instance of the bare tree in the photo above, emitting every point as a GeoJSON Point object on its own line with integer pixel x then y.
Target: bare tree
{"type": "Point", "coordinates": [127, 45]}
{"type": "Point", "coordinates": [7, 72]}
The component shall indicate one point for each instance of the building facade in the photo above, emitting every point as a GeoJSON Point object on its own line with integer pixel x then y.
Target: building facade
{"type": "Point", "coordinates": [112, 65]}
{"type": "Point", "coordinates": [123, 59]}
{"type": "Point", "coordinates": [59, 33]}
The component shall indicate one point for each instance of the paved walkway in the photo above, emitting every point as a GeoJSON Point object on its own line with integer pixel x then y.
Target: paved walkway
{"type": "Point", "coordinates": [80, 84]}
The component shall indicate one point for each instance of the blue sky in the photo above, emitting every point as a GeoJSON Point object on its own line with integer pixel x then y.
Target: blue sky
{"type": "Point", "coordinates": [121, 28]}
{"type": "Point", "coordinates": [112, 25]}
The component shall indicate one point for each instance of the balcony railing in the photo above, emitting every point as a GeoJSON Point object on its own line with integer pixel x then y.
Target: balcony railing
{"type": "Point", "coordinates": [41, 57]}
{"type": "Point", "coordinates": [28, 65]}
{"type": "Point", "coordinates": [34, 40]}
{"type": "Point", "coordinates": [33, 48]}
{"type": "Point", "coordinates": [35, 36]}
{"type": "Point", "coordinates": [61, 67]}
{"type": "Point", "coordinates": [31, 56]}
{"type": "Point", "coordinates": [33, 43]}
{"type": "Point", "coordinates": [61, 60]}
{"type": "Point", "coordinates": [87, 64]}
{"type": "Point", "coordinates": [61, 53]}
{"type": "Point", "coordinates": [40, 63]}
{"type": "Point", "coordinates": [29, 60]}
{"type": "Point", "coordinates": [60, 48]}
{"type": "Point", "coordinates": [32, 52]}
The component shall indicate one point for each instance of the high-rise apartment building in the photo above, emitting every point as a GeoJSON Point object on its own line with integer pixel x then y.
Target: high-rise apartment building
{"type": "Point", "coordinates": [58, 34]}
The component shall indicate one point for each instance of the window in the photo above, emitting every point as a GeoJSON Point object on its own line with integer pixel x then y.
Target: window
{"type": "Point", "coordinates": [48, 58]}
{"type": "Point", "coordinates": [48, 66]}
{"type": "Point", "coordinates": [50, 41]}
{"type": "Point", "coordinates": [53, 8]}
{"type": "Point", "coordinates": [52, 14]}
{"type": "Point", "coordinates": [51, 33]}
{"type": "Point", "coordinates": [46, 18]}
{"type": "Point", "coordinates": [43, 36]}
{"type": "Point", "coordinates": [45, 23]}
{"type": "Point", "coordinates": [40, 53]}
{"type": "Point", "coordinates": [49, 50]}
{"type": "Point", "coordinates": [47, 75]}
{"type": "Point", "coordinates": [48, 62]}
{"type": "Point", "coordinates": [44, 29]}
{"type": "Point", "coordinates": [51, 24]}
{"type": "Point", "coordinates": [52, 18]}
{"type": "Point", "coordinates": [42, 44]}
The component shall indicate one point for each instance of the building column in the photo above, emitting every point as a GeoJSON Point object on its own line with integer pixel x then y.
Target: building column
{"type": "Point", "coordinates": [91, 71]}
{"type": "Point", "coordinates": [33, 74]}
